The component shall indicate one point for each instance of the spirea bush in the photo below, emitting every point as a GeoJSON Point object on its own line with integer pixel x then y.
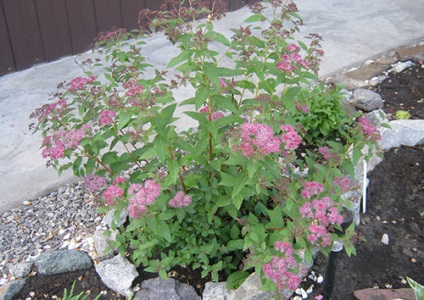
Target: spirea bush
{"type": "Point", "coordinates": [255, 187]}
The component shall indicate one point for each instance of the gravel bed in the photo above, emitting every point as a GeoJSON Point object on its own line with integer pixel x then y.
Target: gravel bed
{"type": "Point", "coordinates": [64, 219]}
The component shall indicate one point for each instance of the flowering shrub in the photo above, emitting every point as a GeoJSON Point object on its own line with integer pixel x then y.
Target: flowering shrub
{"type": "Point", "coordinates": [256, 186]}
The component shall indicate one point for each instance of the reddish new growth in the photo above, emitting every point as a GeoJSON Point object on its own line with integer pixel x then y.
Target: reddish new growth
{"type": "Point", "coordinates": [56, 145]}
{"type": "Point", "coordinates": [144, 195]}
{"type": "Point", "coordinates": [53, 110]}
{"type": "Point", "coordinates": [280, 268]}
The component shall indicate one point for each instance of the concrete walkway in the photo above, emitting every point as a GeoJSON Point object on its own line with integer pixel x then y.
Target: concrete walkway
{"type": "Point", "coordinates": [353, 32]}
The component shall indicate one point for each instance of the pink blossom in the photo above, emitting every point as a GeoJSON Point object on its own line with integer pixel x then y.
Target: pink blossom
{"type": "Point", "coordinates": [312, 188]}
{"type": "Point", "coordinates": [204, 110]}
{"type": "Point", "coordinates": [369, 130]}
{"type": "Point", "coordinates": [217, 115]}
{"type": "Point", "coordinates": [290, 138]}
{"type": "Point", "coordinates": [106, 117]}
{"type": "Point", "coordinates": [306, 210]}
{"type": "Point", "coordinates": [285, 66]}
{"type": "Point", "coordinates": [284, 247]}
{"type": "Point", "coordinates": [293, 48]}
{"type": "Point", "coordinates": [133, 88]}
{"type": "Point", "coordinates": [94, 183]}
{"type": "Point", "coordinates": [180, 200]}
{"type": "Point", "coordinates": [80, 82]}
{"type": "Point", "coordinates": [136, 210]}
{"type": "Point", "coordinates": [56, 145]}
{"type": "Point", "coordinates": [343, 183]}
{"type": "Point", "coordinates": [325, 152]}
{"type": "Point", "coordinates": [144, 194]}
{"type": "Point", "coordinates": [258, 138]}
{"type": "Point", "coordinates": [111, 193]}
{"type": "Point", "coordinates": [304, 108]}
{"type": "Point", "coordinates": [118, 180]}
{"type": "Point", "coordinates": [222, 83]}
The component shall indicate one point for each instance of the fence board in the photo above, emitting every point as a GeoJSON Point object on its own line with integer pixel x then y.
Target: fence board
{"type": "Point", "coordinates": [82, 24]}
{"type": "Point", "coordinates": [130, 10]}
{"type": "Point", "coordinates": [24, 32]}
{"type": "Point", "coordinates": [108, 14]}
{"type": "Point", "coordinates": [53, 20]}
{"type": "Point", "coordinates": [7, 61]}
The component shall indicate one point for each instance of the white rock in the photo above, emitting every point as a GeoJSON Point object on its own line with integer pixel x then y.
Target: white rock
{"type": "Point", "coordinates": [310, 289]}
{"type": "Point", "coordinates": [402, 132]}
{"type": "Point", "coordinates": [217, 291]}
{"type": "Point", "coordinates": [400, 66]}
{"type": "Point", "coordinates": [117, 274]}
{"type": "Point", "coordinates": [385, 239]}
{"type": "Point", "coordinates": [304, 294]}
{"type": "Point", "coordinates": [320, 279]}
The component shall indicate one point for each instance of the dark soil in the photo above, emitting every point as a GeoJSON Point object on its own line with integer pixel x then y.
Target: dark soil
{"type": "Point", "coordinates": [395, 200]}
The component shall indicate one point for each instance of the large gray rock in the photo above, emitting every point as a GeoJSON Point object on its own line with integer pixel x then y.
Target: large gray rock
{"type": "Point", "coordinates": [58, 262]}
{"type": "Point", "coordinates": [21, 270]}
{"type": "Point", "coordinates": [377, 117]}
{"type": "Point", "coordinates": [402, 132]}
{"type": "Point", "coordinates": [170, 289]}
{"type": "Point", "coordinates": [250, 290]}
{"type": "Point", "coordinates": [110, 217]}
{"type": "Point", "coordinates": [11, 289]}
{"type": "Point", "coordinates": [367, 100]}
{"type": "Point", "coordinates": [101, 242]}
{"type": "Point", "coordinates": [217, 291]}
{"type": "Point", "coordinates": [117, 274]}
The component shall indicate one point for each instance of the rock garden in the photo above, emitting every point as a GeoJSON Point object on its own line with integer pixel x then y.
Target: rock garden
{"type": "Point", "coordinates": [251, 202]}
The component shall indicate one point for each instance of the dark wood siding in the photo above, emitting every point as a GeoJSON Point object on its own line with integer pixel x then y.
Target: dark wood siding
{"type": "Point", "coordinates": [34, 31]}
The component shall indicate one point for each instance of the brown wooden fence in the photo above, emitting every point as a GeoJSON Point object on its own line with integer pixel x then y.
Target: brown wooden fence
{"type": "Point", "coordinates": [34, 31]}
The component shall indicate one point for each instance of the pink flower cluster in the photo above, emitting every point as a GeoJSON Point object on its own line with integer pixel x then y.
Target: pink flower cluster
{"type": "Point", "coordinates": [94, 183]}
{"type": "Point", "coordinates": [290, 138]}
{"type": "Point", "coordinates": [56, 145]}
{"type": "Point", "coordinates": [369, 130]}
{"type": "Point", "coordinates": [325, 152]}
{"type": "Point", "coordinates": [80, 82]}
{"type": "Point", "coordinates": [144, 195]}
{"type": "Point", "coordinates": [279, 268]}
{"type": "Point", "coordinates": [106, 117]}
{"type": "Point", "coordinates": [258, 138]}
{"type": "Point", "coordinates": [311, 188]}
{"type": "Point", "coordinates": [133, 88]}
{"type": "Point", "coordinates": [324, 213]}
{"type": "Point", "coordinates": [290, 62]}
{"type": "Point", "coordinates": [214, 116]}
{"type": "Point", "coordinates": [111, 193]}
{"type": "Point", "coordinates": [180, 200]}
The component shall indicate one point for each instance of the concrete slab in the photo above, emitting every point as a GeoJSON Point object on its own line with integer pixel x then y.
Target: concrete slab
{"type": "Point", "coordinates": [353, 32]}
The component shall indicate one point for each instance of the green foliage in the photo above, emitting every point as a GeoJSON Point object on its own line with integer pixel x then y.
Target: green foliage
{"type": "Point", "coordinates": [418, 288]}
{"type": "Point", "coordinates": [215, 197]}
{"type": "Point", "coordinates": [71, 295]}
{"type": "Point", "coordinates": [402, 115]}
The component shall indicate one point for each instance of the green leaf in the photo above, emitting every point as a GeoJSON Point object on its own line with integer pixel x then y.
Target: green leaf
{"type": "Point", "coordinates": [124, 118]}
{"type": "Point", "coordinates": [211, 71]}
{"type": "Point", "coordinates": [237, 200]}
{"type": "Point", "coordinates": [183, 56]}
{"type": "Point", "coordinates": [349, 168]}
{"type": "Point", "coordinates": [216, 36]}
{"type": "Point", "coordinates": [255, 18]}
{"type": "Point", "coordinates": [148, 154]}
{"type": "Point", "coordinates": [202, 95]}
{"type": "Point", "coordinates": [236, 279]}
{"type": "Point", "coordinates": [109, 158]}
{"type": "Point", "coordinates": [235, 232]}
{"type": "Point", "coordinates": [227, 179]}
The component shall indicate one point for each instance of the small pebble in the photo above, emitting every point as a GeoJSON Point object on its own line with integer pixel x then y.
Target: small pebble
{"type": "Point", "coordinates": [413, 260]}
{"type": "Point", "coordinates": [385, 239]}
{"type": "Point", "coordinates": [320, 279]}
